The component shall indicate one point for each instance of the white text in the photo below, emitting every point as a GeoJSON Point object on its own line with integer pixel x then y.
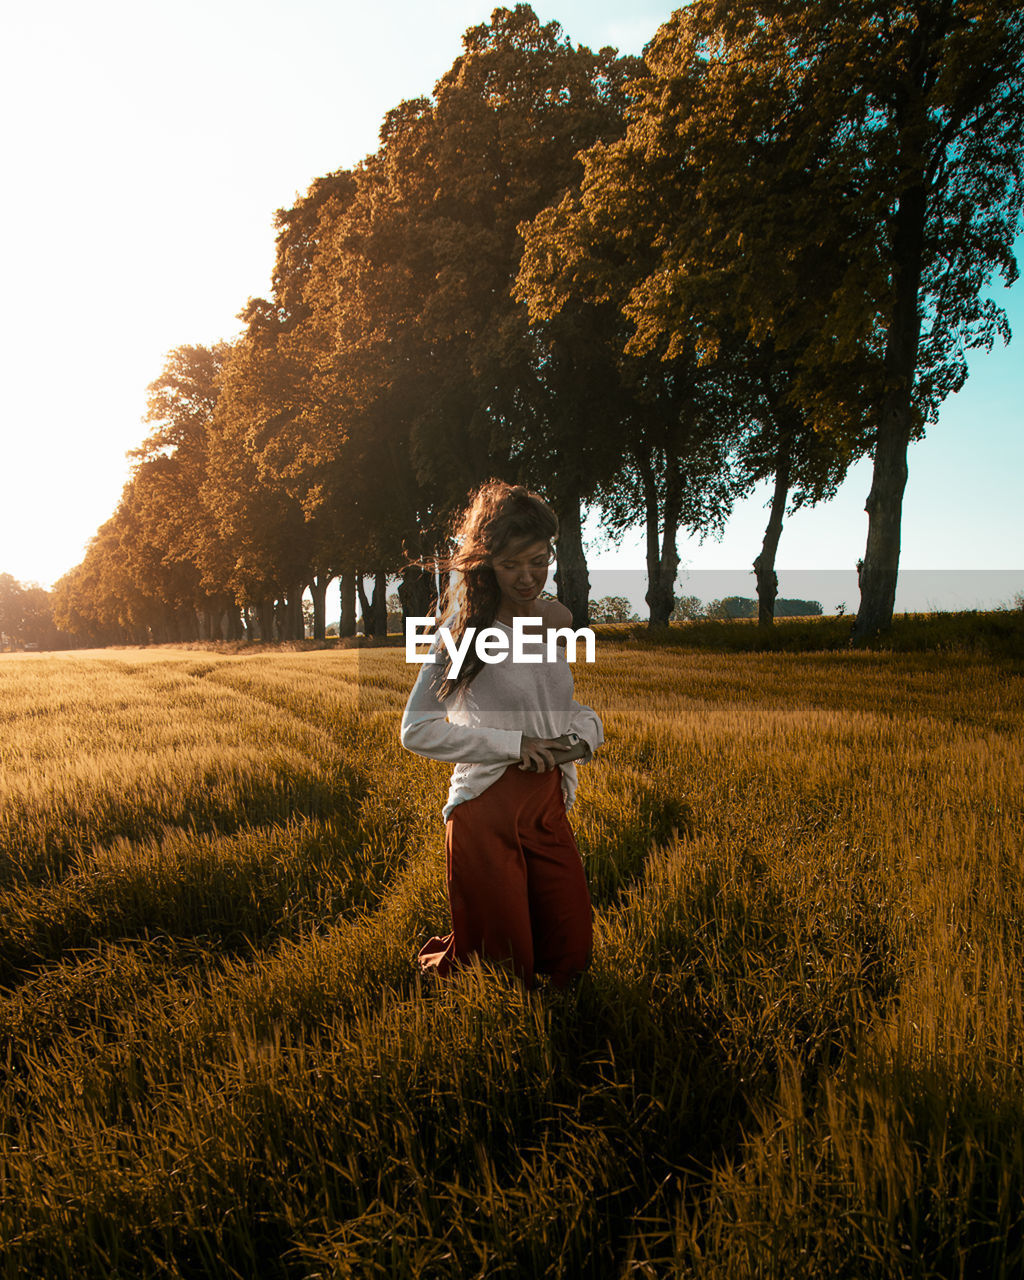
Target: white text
{"type": "Point", "coordinates": [492, 643]}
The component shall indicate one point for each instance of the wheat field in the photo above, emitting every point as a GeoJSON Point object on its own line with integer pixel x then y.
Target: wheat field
{"type": "Point", "coordinates": [798, 1051]}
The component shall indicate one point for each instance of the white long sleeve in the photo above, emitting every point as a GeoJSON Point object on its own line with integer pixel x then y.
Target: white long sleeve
{"type": "Point", "coordinates": [427, 731]}
{"type": "Point", "coordinates": [480, 729]}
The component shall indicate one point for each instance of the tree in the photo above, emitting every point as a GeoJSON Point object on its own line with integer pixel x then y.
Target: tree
{"type": "Point", "coordinates": [907, 152]}
{"type": "Point", "coordinates": [11, 607]}
{"type": "Point", "coordinates": [176, 550]}
{"type": "Point", "coordinates": [799, 608]}
{"type": "Point", "coordinates": [436, 349]}
{"type": "Point", "coordinates": [833, 183]}
{"type": "Point", "coordinates": [26, 614]}
{"type": "Point", "coordinates": [805, 462]}
{"type": "Point", "coordinates": [687, 609]}
{"type": "Point", "coordinates": [528, 100]}
{"type": "Point", "coordinates": [99, 601]}
{"type": "Point", "coordinates": [612, 609]}
{"type": "Point", "coordinates": [676, 469]}
{"type": "Point", "coordinates": [256, 516]}
{"type": "Point", "coordinates": [890, 139]}
{"type": "Point", "coordinates": [940, 122]}
{"type": "Point", "coordinates": [676, 421]}
{"type": "Point", "coordinates": [310, 438]}
{"type": "Point", "coordinates": [658, 230]}
{"type": "Point", "coordinates": [745, 607]}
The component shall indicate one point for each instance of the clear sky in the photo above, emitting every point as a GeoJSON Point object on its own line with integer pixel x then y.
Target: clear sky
{"type": "Point", "coordinates": [147, 147]}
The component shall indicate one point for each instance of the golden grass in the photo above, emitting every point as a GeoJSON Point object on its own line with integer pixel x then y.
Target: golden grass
{"type": "Point", "coordinates": [798, 1052]}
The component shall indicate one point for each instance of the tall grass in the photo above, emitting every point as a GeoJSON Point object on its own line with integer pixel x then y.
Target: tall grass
{"type": "Point", "coordinates": [798, 1051]}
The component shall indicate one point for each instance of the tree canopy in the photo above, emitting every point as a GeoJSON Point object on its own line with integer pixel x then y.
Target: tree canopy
{"type": "Point", "coordinates": [825, 188]}
{"type": "Point", "coordinates": [637, 285]}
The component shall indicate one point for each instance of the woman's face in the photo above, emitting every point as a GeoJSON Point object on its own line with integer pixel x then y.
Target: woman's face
{"type": "Point", "coordinates": [522, 572]}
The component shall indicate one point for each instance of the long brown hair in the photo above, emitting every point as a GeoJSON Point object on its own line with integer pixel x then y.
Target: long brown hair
{"type": "Point", "coordinates": [499, 516]}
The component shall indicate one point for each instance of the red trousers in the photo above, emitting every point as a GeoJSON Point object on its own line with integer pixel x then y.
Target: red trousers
{"type": "Point", "coordinates": [516, 886]}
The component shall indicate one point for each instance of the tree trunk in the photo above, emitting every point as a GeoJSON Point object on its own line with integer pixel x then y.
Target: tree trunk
{"type": "Point", "coordinates": [366, 604]}
{"type": "Point", "coordinates": [415, 591]}
{"type": "Point", "coordinates": [662, 521]}
{"type": "Point", "coordinates": [267, 618]}
{"type": "Point", "coordinates": [889, 476]}
{"type": "Point", "coordinates": [885, 513]}
{"type": "Point", "coordinates": [347, 588]}
{"type": "Point", "coordinates": [375, 609]}
{"type": "Point", "coordinates": [296, 618]}
{"type": "Point", "coordinates": [764, 565]}
{"type": "Point", "coordinates": [572, 582]}
{"type": "Point", "coordinates": [318, 590]}
{"type": "Point", "coordinates": [380, 604]}
{"type": "Point", "coordinates": [281, 617]}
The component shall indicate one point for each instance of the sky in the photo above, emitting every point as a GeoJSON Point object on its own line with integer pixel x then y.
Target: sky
{"type": "Point", "coordinates": [148, 146]}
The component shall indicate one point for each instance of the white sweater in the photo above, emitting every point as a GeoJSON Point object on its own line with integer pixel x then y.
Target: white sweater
{"type": "Point", "coordinates": [481, 727]}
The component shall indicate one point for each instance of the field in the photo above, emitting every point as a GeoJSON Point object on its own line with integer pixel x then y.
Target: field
{"type": "Point", "coordinates": [799, 1051]}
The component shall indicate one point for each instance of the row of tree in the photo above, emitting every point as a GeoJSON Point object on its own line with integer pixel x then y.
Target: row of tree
{"type": "Point", "coordinates": [26, 616]}
{"type": "Point", "coordinates": [641, 285]}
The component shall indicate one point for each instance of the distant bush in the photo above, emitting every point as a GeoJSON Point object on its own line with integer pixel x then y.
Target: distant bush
{"type": "Point", "coordinates": [797, 608]}
{"type": "Point", "coordinates": [731, 607]}
{"type": "Point", "coordinates": [687, 609]}
{"type": "Point", "coordinates": [612, 609]}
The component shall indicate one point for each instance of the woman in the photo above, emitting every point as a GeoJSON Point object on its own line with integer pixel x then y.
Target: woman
{"type": "Point", "coordinates": [516, 886]}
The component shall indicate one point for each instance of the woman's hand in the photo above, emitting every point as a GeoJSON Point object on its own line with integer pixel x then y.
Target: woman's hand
{"type": "Point", "coordinates": [535, 753]}
{"type": "Point", "coordinates": [541, 754]}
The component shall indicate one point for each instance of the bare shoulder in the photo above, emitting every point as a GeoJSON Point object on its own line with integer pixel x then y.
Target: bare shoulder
{"type": "Point", "coordinates": [556, 614]}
